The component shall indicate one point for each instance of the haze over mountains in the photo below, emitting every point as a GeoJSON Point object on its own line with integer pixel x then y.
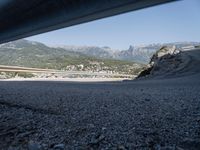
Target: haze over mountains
{"type": "Point", "coordinates": [140, 54]}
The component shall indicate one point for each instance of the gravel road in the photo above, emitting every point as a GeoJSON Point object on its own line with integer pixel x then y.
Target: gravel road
{"type": "Point", "coordinates": [160, 114]}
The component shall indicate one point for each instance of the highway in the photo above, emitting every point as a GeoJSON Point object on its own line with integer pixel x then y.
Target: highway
{"type": "Point", "coordinates": [4, 68]}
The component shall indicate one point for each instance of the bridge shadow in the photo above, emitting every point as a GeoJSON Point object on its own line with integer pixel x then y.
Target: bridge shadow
{"type": "Point", "coordinates": [180, 73]}
{"type": "Point", "coordinates": [143, 110]}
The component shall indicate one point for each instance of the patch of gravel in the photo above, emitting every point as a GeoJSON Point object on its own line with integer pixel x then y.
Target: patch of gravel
{"type": "Point", "coordinates": [145, 114]}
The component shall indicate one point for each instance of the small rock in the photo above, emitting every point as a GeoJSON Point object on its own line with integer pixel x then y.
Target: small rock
{"type": "Point", "coordinates": [97, 140]}
{"type": "Point", "coordinates": [68, 130]}
{"type": "Point", "coordinates": [198, 119]}
{"type": "Point", "coordinates": [13, 148]}
{"type": "Point", "coordinates": [101, 137]}
{"type": "Point", "coordinates": [34, 146]}
{"type": "Point", "coordinates": [147, 99]}
{"type": "Point", "coordinates": [91, 125]}
{"type": "Point", "coordinates": [103, 128]}
{"type": "Point", "coordinates": [121, 147]}
{"type": "Point", "coordinates": [59, 146]}
{"type": "Point", "coordinates": [167, 147]}
{"type": "Point", "coordinates": [188, 143]}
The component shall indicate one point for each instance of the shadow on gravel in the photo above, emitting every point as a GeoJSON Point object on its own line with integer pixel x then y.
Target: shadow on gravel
{"type": "Point", "coordinates": [145, 114]}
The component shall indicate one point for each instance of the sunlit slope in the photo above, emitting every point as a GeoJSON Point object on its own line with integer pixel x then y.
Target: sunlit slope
{"type": "Point", "coordinates": [173, 62]}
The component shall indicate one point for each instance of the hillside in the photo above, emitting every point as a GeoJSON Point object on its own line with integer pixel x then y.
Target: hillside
{"type": "Point", "coordinates": [33, 54]}
{"type": "Point", "coordinates": [170, 62]}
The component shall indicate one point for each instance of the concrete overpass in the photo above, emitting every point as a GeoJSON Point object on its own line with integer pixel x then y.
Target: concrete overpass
{"type": "Point", "coordinates": [4, 68]}
{"type": "Point", "coordinates": [16, 69]}
{"type": "Point", "coordinates": [22, 18]}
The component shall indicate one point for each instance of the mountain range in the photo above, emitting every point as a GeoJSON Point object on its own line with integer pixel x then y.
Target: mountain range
{"type": "Point", "coordinates": [34, 54]}
{"type": "Point", "coordinates": [80, 58]}
{"type": "Point", "coordinates": [140, 54]}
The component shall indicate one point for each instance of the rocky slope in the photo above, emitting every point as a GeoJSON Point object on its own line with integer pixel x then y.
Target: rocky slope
{"type": "Point", "coordinates": [170, 61]}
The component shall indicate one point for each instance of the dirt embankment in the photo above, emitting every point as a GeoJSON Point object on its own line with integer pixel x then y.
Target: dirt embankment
{"type": "Point", "coordinates": [169, 62]}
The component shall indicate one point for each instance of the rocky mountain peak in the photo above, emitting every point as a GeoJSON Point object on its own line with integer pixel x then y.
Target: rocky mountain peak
{"type": "Point", "coordinates": [131, 48]}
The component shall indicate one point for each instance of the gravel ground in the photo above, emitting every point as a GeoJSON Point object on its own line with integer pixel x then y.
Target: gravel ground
{"type": "Point", "coordinates": [151, 114]}
{"type": "Point", "coordinates": [155, 114]}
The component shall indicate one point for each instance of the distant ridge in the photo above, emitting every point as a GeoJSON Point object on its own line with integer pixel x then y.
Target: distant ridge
{"type": "Point", "coordinates": [140, 54]}
{"type": "Point", "coordinates": [26, 53]}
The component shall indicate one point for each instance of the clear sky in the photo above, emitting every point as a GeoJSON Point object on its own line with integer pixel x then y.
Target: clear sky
{"type": "Point", "coordinates": [172, 22]}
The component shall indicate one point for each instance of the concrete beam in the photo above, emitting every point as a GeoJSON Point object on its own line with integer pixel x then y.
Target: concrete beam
{"type": "Point", "coordinates": [22, 18]}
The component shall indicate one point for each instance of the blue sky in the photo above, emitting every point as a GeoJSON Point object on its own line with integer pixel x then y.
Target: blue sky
{"type": "Point", "coordinates": [172, 22]}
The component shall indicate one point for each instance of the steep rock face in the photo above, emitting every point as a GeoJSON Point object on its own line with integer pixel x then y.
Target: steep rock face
{"type": "Point", "coordinates": [166, 61]}
{"type": "Point", "coordinates": [162, 53]}
{"type": "Point", "coordinates": [139, 54]}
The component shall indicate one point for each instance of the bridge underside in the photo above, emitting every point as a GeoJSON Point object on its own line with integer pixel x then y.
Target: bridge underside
{"type": "Point", "coordinates": [22, 18]}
